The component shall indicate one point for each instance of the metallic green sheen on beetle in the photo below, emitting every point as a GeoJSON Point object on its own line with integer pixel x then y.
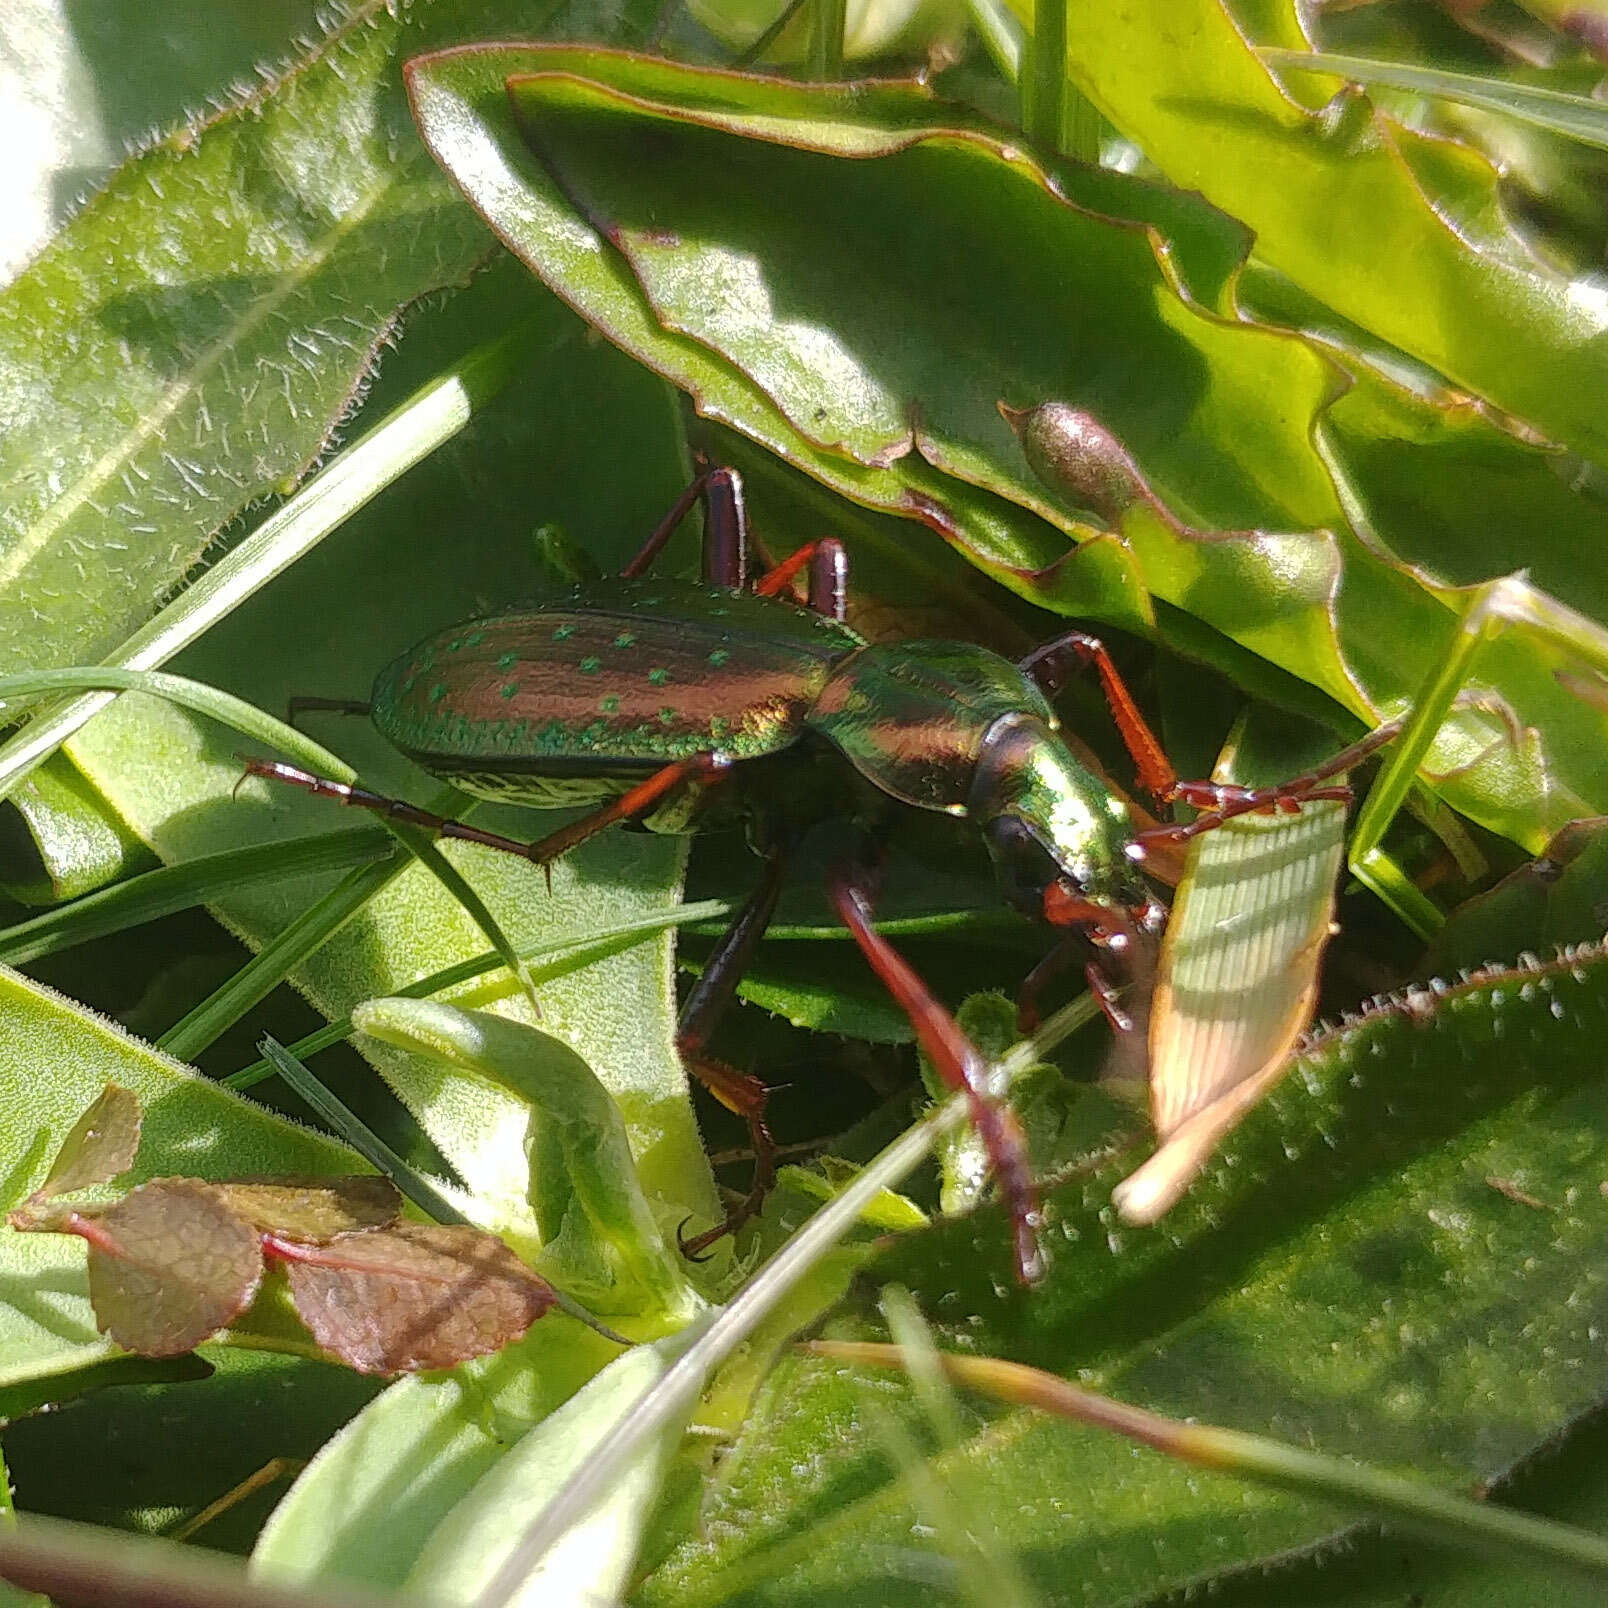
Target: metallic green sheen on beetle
{"type": "Point", "coordinates": [575, 701]}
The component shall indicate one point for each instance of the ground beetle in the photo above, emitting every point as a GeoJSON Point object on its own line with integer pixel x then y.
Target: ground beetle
{"type": "Point", "coordinates": [679, 706]}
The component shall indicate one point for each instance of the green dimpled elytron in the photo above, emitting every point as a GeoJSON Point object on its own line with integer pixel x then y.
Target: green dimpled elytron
{"type": "Point", "coordinates": [679, 706]}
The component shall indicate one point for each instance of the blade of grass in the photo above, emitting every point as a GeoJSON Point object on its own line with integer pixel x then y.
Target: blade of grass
{"type": "Point", "coordinates": [1408, 1503]}
{"type": "Point", "coordinates": [1575, 117]}
{"type": "Point", "coordinates": [828, 19]}
{"type": "Point", "coordinates": [1508, 600]}
{"type": "Point", "coordinates": [200, 881]}
{"type": "Point", "coordinates": [1001, 34]}
{"type": "Point", "coordinates": [431, 416]}
{"type": "Point", "coordinates": [344, 1122]}
{"type": "Point", "coordinates": [567, 956]}
{"type": "Point", "coordinates": [275, 961]}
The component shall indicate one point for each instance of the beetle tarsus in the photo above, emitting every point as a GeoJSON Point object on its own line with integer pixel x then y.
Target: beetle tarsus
{"type": "Point", "coordinates": [696, 1248]}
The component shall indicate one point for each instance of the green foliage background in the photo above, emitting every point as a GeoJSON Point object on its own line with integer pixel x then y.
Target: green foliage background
{"type": "Point", "coordinates": [1347, 352]}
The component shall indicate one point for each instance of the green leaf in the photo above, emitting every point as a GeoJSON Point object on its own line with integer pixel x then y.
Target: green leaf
{"type": "Point", "coordinates": [1455, 287]}
{"type": "Point", "coordinates": [593, 1212]}
{"type": "Point", "coordinates": [1348, 1276]}
{"type": "Point", "coordinates": [472, 1546]}
{"type": "Point", "coordinates": [172, 356]}
{"type": "Point", "coordinates": [69, 842]}
{"type": "Point", "coordinates": [372, 1498]}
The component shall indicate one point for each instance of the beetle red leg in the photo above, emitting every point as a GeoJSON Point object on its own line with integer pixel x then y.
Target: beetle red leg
{"type": "Point", "coordinates": [725, 552]}
{"type": "Point", "coordinates": [959, 1065]}
{"type": "Point", "coordinates": [737, 1091]}
{"type": "Point", "coordinates": [638, 801]}
{"type": "Point", "coordinates": [1156, 773]}
{"type": "Point", "coordinates": [1226, 802]}
{"type": "Point", "coordinates": [827, 591]}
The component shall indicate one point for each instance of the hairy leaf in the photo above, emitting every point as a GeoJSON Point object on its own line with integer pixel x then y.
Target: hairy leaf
{"type": "Point", "coordinates": [1395, 1257]}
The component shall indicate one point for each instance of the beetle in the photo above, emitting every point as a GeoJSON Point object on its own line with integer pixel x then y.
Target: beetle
{"type": "Point", "coordinates": [681, 706]}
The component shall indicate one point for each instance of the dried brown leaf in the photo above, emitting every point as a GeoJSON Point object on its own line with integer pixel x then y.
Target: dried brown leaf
{"type": "Point", "coordinates": [415, 1296]}
{"type": "Point", "coordinates": [169, 1265]}
{"type": "Point", "coordinates": [100, 1146]}
{"type": "Point", "coordinates": [313, 1210]}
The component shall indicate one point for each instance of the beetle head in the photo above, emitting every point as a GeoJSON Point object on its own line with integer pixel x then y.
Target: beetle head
{"type": "Point", "coordinates": [1058, 837]}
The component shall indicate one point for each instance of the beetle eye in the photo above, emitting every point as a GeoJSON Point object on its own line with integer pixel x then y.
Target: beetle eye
{"type": "Point", "coordinates": [1022, 864]}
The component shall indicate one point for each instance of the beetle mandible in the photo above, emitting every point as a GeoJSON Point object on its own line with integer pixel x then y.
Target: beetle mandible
{"type": "Point", "coordinates": [679, 705]}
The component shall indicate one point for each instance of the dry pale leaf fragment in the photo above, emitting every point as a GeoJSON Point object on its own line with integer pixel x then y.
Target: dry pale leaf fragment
{"type": "Point", "coordinates": [314, 1210]}
{"type": "Point", "coordinates": [100, 1145]}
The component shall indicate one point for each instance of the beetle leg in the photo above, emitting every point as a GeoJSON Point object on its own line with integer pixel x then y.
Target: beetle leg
{"type": "Point", "coordinates": [1227, 802]}
{"type": "Point", "coordinates": [960, 1066]}
{"type": "Point", "coordinates": [1033, 985]}
{"type": "Point", "coordinates": [828, 585]}
{"type": "Point", "coordinates": [638, 801]}
{"type": "Point", "coordinates": [1156, 773]}
{"type": "Point", "coordinates": [737, 1091]}
{"type": "Point", "coordinates": [725, 550]}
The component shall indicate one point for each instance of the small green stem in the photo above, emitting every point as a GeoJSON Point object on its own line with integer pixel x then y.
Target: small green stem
{"type": "Point", "coordinates": [1082, 127]}
{"type": "Point", "coordinates": [828, 21]}
{"type": "Point", "coordinates": [1044, 84]}
{"type": "Point", "coordinates": [1413, 1504]}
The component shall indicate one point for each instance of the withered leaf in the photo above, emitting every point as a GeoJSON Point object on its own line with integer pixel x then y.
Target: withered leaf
{"type": "Point", "coordinates": [169, 1265]}
{"type": "Point", "coordinates": [101, 1145]}
{"type": "Point", "coordinates": [313, 1210]}
{"type": "Point", "coordinates": [415, 1296]}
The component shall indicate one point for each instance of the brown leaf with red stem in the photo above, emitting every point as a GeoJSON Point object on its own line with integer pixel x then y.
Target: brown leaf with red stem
{"type": "Point", "coordinates": [169, 1265]}
{"type": "Point", "coordinates": [415, 1296]}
